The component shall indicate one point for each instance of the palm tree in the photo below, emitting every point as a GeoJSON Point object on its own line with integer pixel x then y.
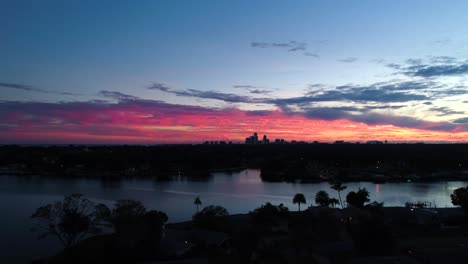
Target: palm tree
{"type": "Point", "coordinates": [338, 186]}
{"type": "Point", "coordinates": [197, 202]}
{"type": "Point", "coordinates": [299, 199]}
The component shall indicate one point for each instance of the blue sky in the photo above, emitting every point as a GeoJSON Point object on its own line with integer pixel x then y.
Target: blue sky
{"type": "Point", "coordinates": [71, 51]}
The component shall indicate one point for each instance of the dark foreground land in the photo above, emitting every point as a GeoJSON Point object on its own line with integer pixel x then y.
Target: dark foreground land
{"type": "Point", "coordinates": [272, 234]}
{"type": "Point", "coordinates": [278, 162]}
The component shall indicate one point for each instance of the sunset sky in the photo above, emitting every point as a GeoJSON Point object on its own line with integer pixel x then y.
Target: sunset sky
{"type": "Point", "coordinates": [150, 72]}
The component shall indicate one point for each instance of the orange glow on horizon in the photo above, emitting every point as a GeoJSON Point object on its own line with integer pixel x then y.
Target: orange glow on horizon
{"type": "Point", "coordinates": [168, 124]}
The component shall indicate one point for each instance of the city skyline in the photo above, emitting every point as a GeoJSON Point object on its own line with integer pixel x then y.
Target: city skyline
{"type": "Point", "coordinates": [157, 72]}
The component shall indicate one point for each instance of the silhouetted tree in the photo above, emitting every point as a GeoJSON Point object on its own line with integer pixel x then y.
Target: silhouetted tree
{"type": "Point", "coordinates": [357, 199]}
{"type": "Point", "coordinates": [334, 202]}
{"type": "Point", "coordinates": [268, 213]}
{"type": "Point", "coordinates": [460, 197]}
{"type": "Point", "coordinates": [197, 202]}
{"type": "Point", "coordinates": [151, 230]}
{"type": "Point", "coordinates": [70, 220]}
{"type": "Point", "coordinates": [338, 186]}
{"type": "Point", "coordinates": [126, 216]}
{"type": "Point", "coordinates": [299, 199]}
{"type": "Point", "coordinates": [322, 198]}
{"type": "Point", "coordinates": [211, 217]}
{"type": "Point", "coordinates": [376, 204]}
{"type": "Point", "coordinates": [132, 222]}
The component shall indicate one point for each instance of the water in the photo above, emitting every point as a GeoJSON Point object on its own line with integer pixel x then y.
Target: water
{"type": "Point", "coordinates": [238, 192]}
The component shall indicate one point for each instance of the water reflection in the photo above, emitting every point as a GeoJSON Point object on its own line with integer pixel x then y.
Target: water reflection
{"type": "Point", "coordinates": [239, 192]}
{"type": "Point", "coordinates": [112, 184]}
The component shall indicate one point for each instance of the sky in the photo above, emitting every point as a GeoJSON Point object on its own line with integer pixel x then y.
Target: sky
{"type": "Point", "coordinates": [156, 72]}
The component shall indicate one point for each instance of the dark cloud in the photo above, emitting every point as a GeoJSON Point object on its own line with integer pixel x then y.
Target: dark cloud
{"type": "Point", "coordinates": [442, 41]}
{"type": "Point", "coordinates": [159, 86]}
{"type": "Point", "coordinates": [348, 60]}
{"type": "Point", "coordinates": [116, 95]}
{"type": "Point", "coordinates": [383, 107]}
{"type": "Point", "coordinates": [446, 111]}
{"type": "Point", "coordinates": [436, 67]}
{"type": "Point", "coordinates": [244, 86]}
{"type": "Point", "coordinates": [315, 89]}
{"type": "Point", "coordinates": [463, 120]}
{"type": "Point", "coordinates": [329, 113]}
{"type": "Point", "coordinates": [297, 46]}
{"type": "Point", "coordinates": [30, 88]}
{"type": "Point", "coordinates": [260, 91]}
{"type": "Point", "coordinates": [379, 61]}
{"type": "Point", "coordinates": [369, 98]}
{"type": "Point", "coordinates": [380, 92]}
{"type": "Point", "coordinates": [259, 44]}
{"type": "Point", "coordinates": [21, 87]}
{"type": "Point", "coordinates": [372, 118]}
{"type": "Point", "coordinates": [443, 59]}
{"type": "Point", "coordinates": [438, 70]}
{"type": "Point", "coordinates": [403, 121]}
{"type": "Point", "coordinates": [281, 45]}
{"type": "Point", "coordinates": [253, 89]}
{"type": "Point", "coordinates": [337, 112]}
{"type": "Point", "coordinates": [413, 61]}
{"type": "Point", "coordinates": [451, 92]}
{"type": "Point", "coordinates": [227, 97]}
{"type": "Point", "coordinates": [310, 54]}
{"type": "Point", "coordinates": [394, 66]}
{"type": "Point", "coordinates": [292, 46]}
{"type": "Point", "coordinates": [404, 85]}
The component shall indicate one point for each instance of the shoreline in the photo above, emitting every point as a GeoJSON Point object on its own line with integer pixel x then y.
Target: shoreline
{"type": "Point", "coordinates": [117, 177]}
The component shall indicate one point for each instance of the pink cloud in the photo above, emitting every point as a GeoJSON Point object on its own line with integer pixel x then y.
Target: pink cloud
{"type": "Point", "coordinates": [144, 121]}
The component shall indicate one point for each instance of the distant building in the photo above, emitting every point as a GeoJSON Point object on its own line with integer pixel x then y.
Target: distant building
{"type": "Point", "coordinates": [216, 142]}
{"type": "Point", "coordinates": [254, 139]}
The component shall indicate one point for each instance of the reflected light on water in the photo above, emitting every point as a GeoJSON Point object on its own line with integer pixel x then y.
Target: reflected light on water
{"type": "Point", "coordinates": [238, 192]}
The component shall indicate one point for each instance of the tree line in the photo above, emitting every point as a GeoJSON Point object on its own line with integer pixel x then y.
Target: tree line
{"type": "Point", "coordinates": [132, 232]}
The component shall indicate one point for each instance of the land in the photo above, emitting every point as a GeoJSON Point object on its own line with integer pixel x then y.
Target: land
{"type": "Point", "coordinates": [271, 233]}
{"type": "Point", "coordinates": [277, 162]}
{"type": "Point", "coordinates": [316, 235]}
